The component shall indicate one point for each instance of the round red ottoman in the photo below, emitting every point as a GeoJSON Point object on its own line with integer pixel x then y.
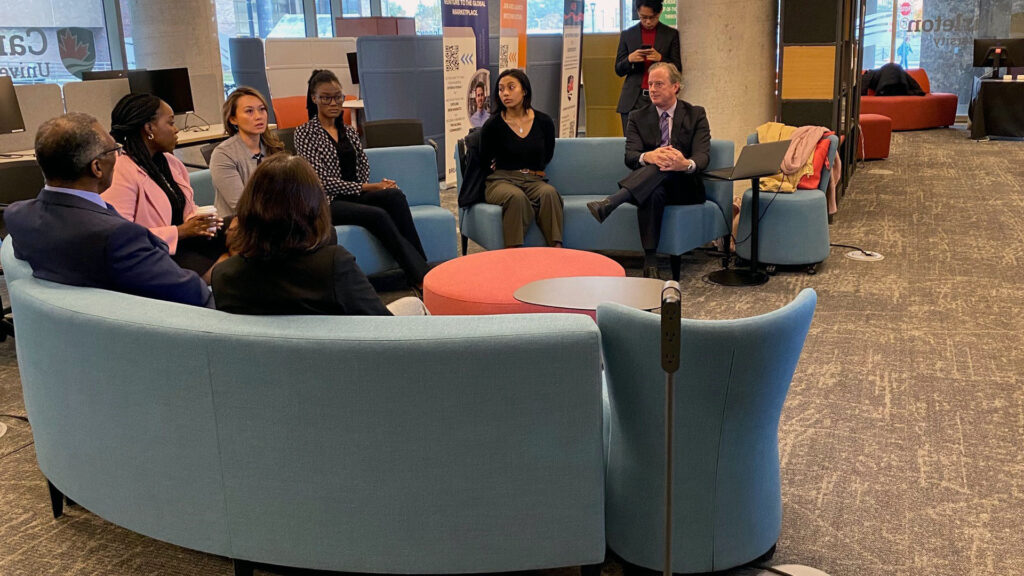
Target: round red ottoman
{"type": "Point", "coordinates": [876, 131]}
{"type": "Point", "coordinates": [483, 283]}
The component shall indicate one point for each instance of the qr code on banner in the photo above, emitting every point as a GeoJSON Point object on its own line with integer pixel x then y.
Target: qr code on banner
{"type": "Point", "coordinates": [503, 57]}
{"type": "Point", "coordinates": [451, 58]}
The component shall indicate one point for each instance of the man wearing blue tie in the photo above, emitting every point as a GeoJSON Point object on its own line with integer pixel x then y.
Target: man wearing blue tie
{"type": "Point", "coordinates": [69, 235]}
{"type": "Point", "coordinates": [668, 145]}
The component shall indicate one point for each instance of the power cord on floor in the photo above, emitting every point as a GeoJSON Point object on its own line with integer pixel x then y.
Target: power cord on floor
{"type": "Point", "coordinates": [15, 416]}
{"type": "Point", "coordinates": [773, 570]}
{"type": "Point", "coordinates": [862, 251]}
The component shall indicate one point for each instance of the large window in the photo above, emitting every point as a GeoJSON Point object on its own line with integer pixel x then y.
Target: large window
{"type": "Point", "coordinates": [545, 16]}
{"type": "Point", "coordinates": [426, 12]}
{"type": "Point", "coordinates": [40, 44]}
{"type": "Point", "coordinates": [937, 37]}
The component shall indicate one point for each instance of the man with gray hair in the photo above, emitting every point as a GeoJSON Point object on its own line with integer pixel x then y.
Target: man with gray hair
{"type": "Point", "coordinates": [668, 145]}
{"type": "Point", "coordinates": [68, 234]}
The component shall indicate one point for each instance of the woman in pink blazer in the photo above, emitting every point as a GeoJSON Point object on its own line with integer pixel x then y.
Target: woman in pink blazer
{"type": "Point", "coordinates": [151, 187]}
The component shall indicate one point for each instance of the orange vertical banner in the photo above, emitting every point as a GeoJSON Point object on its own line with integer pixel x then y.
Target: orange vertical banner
{"type": "Point", "coordinates": [512, 39]}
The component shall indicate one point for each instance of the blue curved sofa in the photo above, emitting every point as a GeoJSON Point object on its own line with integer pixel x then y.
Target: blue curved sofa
{"type": "Point", "coordinates": [587, 169]}
{"type": "Point", "coordinates": [414, 168]}
{"type": "Point", "coordinates": [732, 382]}
{"type": "Point", "coordinates": [338, 443]}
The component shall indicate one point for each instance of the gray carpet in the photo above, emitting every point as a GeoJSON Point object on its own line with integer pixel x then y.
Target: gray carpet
{"type": "Point", "coordinates": [902, 438]}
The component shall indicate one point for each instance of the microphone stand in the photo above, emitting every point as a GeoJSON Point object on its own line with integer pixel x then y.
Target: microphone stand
{"type": "Point", "coordinates": [670, 297]}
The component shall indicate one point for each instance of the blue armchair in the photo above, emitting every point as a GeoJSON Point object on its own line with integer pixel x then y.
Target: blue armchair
{"type": "Point", "coordinates": [727, 502]}
{"type": "Point", "coordinates": [793, 229]}
{"type": "Point", "coordinates": [414, 168]}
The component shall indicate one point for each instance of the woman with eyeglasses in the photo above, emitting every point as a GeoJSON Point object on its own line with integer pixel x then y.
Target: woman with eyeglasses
{"type": "Point", "coordinates": [234, 160]}
{"type": "Point", "coordinates": [335, 152]}
{"type": "Point", "coordinates": [151, 187]}
{"type": "Point", "coordinates": [640, 46]}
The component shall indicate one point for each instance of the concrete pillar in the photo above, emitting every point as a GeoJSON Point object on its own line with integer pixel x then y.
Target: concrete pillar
{"type": "Point", "coordinates": [728, 52]}
{"type": "Point", "coordinates": [182, 35]}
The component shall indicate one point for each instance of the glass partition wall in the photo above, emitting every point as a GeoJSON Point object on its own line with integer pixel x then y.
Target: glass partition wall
{"type": "Point", "coordinates": [938, 36]}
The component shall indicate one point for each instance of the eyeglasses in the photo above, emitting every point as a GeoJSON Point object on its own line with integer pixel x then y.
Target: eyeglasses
{"type": "Point", "coordinates": [329, 99]}
{"type": "Point", "coordinates": [119, 149]}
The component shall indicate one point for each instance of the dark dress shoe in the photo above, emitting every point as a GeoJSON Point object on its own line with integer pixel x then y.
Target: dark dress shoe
{"type": "Point", "coordinates": [599, 209]}
{"type": "Point", "coordinates": [651, 272]}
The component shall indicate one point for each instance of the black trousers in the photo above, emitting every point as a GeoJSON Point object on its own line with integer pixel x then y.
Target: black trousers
{"type": "Point", "coordinates": [651, 190]}
{"type": "Point", "coordinates": [386, 215]}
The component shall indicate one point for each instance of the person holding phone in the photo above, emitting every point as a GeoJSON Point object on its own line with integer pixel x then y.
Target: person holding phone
{"type": "Point", "coordinates": [640, 46]}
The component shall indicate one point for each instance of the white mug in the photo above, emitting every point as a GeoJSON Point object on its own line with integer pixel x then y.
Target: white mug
{"type": "Point", "coordinates": [207, 211]}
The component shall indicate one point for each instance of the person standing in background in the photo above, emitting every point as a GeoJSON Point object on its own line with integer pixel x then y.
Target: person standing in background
{"type": "Point", "coordinates": [640, 46]}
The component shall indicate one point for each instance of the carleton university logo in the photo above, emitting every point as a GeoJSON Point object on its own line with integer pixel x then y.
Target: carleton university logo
{"type": "Point", "coordinates": [77, 50]}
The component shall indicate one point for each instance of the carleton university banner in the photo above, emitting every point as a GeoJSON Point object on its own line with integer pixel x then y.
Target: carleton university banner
{"type": "Point", "coordinates": [34, 54]}
{"type": "Point", "coordinates": [572, 40]}
{"type": "Point", "coordinates": [512, 42]}
{"type": "Point", "coordinates": [466, 79]}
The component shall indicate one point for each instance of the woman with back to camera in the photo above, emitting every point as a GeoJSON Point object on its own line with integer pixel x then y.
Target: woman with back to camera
{"type": "Point", "coordinates": [234, 160]}
{"type": "Point", "coordinates": [151, 187]}
{"type": "Point", "coordinates": [335, 152]}
{"type": "Point", "coordinates": [286, 259]}
{"type": "Point", "coordinates": [521, 141]}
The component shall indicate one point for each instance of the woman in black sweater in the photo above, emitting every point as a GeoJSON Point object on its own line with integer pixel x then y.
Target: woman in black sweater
{"type": "Point", "coordinates": [521, 142]}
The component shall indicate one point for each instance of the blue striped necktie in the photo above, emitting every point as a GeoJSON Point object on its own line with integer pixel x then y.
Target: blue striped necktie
{"type": "Point", "coordinates": [664, 128]}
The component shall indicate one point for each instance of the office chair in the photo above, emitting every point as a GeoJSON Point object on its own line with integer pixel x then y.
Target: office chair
{"type": "Point", "coordinates": [287, 137]}
{"type": "Point", "coordinates": [207, 151]}
{"type": "Point", "coordinates": [19, 180]}
{"type": "Point", "coordinates": [395, 132]}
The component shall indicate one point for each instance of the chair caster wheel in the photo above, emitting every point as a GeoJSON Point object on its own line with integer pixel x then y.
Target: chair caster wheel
{"type": "Point", "coordinates": [770, 269]}
{"type": "Point", "coordinates": [812, 270]}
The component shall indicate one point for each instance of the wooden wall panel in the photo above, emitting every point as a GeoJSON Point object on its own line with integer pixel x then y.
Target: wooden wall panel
{"type": "Point", "coordinates": [808, 72]}
{"type": "Point", "coordinates": [601, 85]}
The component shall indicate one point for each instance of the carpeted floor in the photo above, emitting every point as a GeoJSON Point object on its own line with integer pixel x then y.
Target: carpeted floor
{"type": "Point", "coordinates": [902, 439]}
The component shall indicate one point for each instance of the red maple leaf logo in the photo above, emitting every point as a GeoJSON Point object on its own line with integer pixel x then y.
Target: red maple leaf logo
{"type": "Point", "coordinates": [70, 47]}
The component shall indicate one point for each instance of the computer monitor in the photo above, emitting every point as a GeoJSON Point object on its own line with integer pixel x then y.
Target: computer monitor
{"type": "Point", "coordinates": [170, 85]}
{"type": "Point", "coordinates": [11, 120]}
{"type": "Point", "coordinates": [104, 74]}
{"type": "Point", "coordinates": [998, 52]}
{"type": "Point", "coordinates": [353, 67]}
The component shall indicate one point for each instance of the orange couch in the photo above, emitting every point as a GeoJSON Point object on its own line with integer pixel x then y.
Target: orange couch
{"type": "Point", "coordinates": [933, 110]}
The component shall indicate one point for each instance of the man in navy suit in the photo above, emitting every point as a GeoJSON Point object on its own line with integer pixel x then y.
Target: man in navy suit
{"type": "Point", "coordinates": [71, 236]}
{"type": "Point", "coordinates": [668, 145]}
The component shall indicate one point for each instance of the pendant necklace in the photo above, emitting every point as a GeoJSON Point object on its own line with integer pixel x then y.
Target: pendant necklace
{"type": "Point", "coordinates": [518, 127]}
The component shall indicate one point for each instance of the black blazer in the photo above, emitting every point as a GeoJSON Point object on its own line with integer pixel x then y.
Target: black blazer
{"type": "Point", "coordinates": [70, 240]}
{"type": "Point", "coordinates": [691, 135]}
{"type": "Point", "coordinates": [326, 281]}
{"type": "Point", "coordinates": [666, 42]}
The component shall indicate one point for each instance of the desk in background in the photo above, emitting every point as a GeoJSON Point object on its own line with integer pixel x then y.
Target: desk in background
{"type": "Point", "coordinates": [359, 118]}
{"type": "Point", "coordinates": [194, 137]}
{"type": "Point", "coordinates": [997, 109]}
